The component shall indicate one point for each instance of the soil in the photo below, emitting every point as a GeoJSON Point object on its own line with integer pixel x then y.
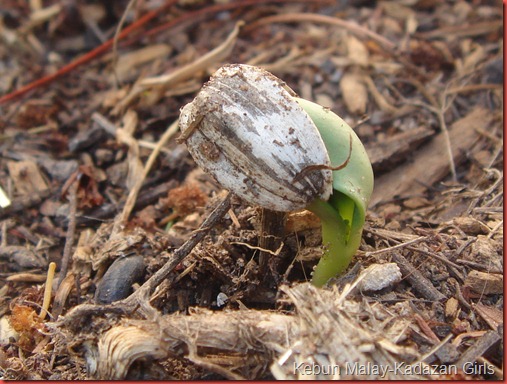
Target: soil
{"type": "Point", "coordinates": [162, 275]}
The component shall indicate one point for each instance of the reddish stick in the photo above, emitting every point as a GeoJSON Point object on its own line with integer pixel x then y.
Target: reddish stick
{"type": "Point", "coordinates": [85, 58]}
{"type": "Point", "coordinates": [143, 20]}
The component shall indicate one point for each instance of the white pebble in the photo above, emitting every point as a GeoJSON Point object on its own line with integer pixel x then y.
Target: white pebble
{"type": "Point", "coordinates": [379, 276]}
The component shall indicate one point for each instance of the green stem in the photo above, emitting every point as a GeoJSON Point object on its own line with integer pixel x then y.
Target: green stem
{"type": "Point", "coordinates": [340, 244]}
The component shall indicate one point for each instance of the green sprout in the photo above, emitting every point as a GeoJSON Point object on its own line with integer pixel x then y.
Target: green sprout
{"type": "Point", "coordinates": [343, 214]}
{"type": "Point", "coordinates": [282, 153]}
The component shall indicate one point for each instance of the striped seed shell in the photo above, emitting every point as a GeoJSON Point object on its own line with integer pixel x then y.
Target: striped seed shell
{"type": "Point", "coordinates": [246, 130]}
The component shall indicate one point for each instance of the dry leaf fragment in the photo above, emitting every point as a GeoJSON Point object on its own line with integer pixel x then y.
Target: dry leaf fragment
{"type": "Point", "coordinates": [28, 325]}
{"type": "Point", "coordinates": [470, 61]}
{"type": "Point", "coordinates": [354, 93]}
{"type": "Point", "coordinates": [357, 51]}
{"type": "Point", "coordinates": [396, 10]}
{"type": "Point", "coordinates": [128, 61]}
{"type": "Point", "coordinates": [27, 177]}
{"type": "Point", "coordinates": [452, 308]}
{"type": "Point", "coordinates": [88, 194]}
{"type": "Point", "coordinates": [471, 226]}
{"type": "Point", "coordinates": [185, 199]}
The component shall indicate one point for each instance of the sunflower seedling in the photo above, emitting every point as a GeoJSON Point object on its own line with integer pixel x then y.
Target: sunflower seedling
{"type": "Point", "coordinates": [282, 153]}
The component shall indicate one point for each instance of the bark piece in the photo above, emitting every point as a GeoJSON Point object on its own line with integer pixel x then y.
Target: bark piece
{"type": "Point", "coordinates": [385, 155]}
{"type": "Point", "coordinates": [21, 257]}
{"type": "Point", "coordinates": [24, 202]}
{"type": "Point", "coordinates": [452, 308]}
{"type": "Point", "coordinates": [491, 315]}
{"type": "Point", "coordinates": [431, 163]}
{"type": "Point", "coordinates": [484, 343]}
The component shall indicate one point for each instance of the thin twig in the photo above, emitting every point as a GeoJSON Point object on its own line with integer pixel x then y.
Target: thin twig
{"type": "Point", "coordinates": [389, 249]}
{"type": "Point", "coordinates": [131, 199]}
{"type": "Point", "coordinates": [433, 350]}
{"type": "Point", "coordinates": [273, 253]}
{"type": "Point", "coordinates": [420, 283]}
{"type": "Point", "coordinates": [71, 230]}
{"type": "Point", "coordinates": [425, 328]}
{"type": "Point", "coordinates": [484, 343]}
{"type": "Point", "coordinates": [443, 126]}
{"type": "Point", "coordinates": [207, 11]}
{"type": "Point", "coordinates": [149, 286]}
{"type": "Point", "coordinates": [141, 296]}
{"type": "Point", "coordinates": [84, 58]}
{"type": "Point", "coordinates": [439, 112]}
{"type": "Point", "coordinates": [221, 7]}
{"type": "Point", "coordinates": [473, 88]}
{"type": "Point", "coordinates": [208, 365]}
{"type": "Point", "coordinates": [459, 295]}
{"type": "Point", "coordinates": [410, 247]}
{"type": "Point", "coordinates": [130, 5]}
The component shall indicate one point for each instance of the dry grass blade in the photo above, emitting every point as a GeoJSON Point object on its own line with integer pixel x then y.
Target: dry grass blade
{"type": "Point", "coordinates": [161, 83]}
{"type": "Point", "coordinates": [125, 135]}
{"type": "Point", "coordinates": [313, 17]}
{"type": "Point", "coordinates": [335, 343]}
{"type": "Point", "coordinates": [130, 5]}
{"type": "Point", "coordinates": [134, 191]}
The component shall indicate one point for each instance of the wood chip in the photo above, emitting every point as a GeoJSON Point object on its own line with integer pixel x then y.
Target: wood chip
{"type": "Point", "coordinates": [357, 51]}
{"type": "Point", "coordinates": [385, 155]}
{"type": "Point", "coordinates": [430, 163]}
{"type": "Point", "coordinates": [491, 315]}
{"type": "Point", "coordinates": [379, 276]}
{"type": "Point", "coordinates": [484, 283]}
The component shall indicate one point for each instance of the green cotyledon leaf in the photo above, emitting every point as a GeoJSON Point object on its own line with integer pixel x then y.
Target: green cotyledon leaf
{"type": "Point", "coordinates": [343, 215]}
{"type": "Point", "coordinates": [356, 179]}
{"type": "Point", "coordinates": [345, 207]}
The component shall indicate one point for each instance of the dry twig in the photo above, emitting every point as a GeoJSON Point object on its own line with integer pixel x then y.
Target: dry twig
{"type": "Point", "coordinates": [71, 230]}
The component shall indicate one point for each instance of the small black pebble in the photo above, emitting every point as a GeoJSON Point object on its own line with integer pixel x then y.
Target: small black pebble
{"type": "Point", "coordinates": [494, 72]}
{"type": "Point", "coordinates": [116, 284]}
